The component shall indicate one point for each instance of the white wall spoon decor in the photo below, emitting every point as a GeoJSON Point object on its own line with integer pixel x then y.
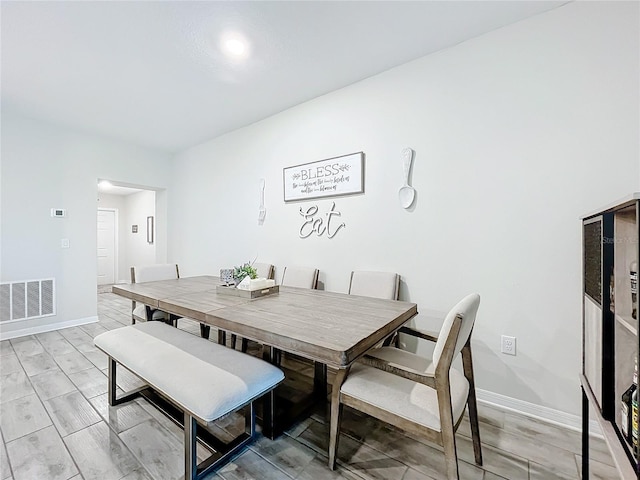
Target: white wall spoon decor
{"type": "Point", "coordinates": [406, 193]}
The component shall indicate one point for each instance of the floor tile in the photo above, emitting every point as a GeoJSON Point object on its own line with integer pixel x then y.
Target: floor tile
{"type": "Point", "coordinates": [73, 362]}
{"type": "Point", "coordinates": [22, 416]}
{"type": "Point", "coordinates": [9, 363]}
{"type": "Point", "coordinates": [87, 347]}
{"type": "Point", "coordinates": [549, 472]}
{"type": "Point", "coordinates": [5, 348]}
{"type": "Point", "coordinates": [52, 384]}
{"type": "Point", "coordinates": [542, 431]}
{"type": "Point", "coordinates": [139, 474]}
{"type": "Point", "coordinates": [250, 465]}
{"type": "Point", "coordinates": [100, 454]}
{"type": "Point", "coordinates": [39, 363]}
{"type": "Point", "coordinates": [54, 343]}
{"type": "Point", "coordinates": [499, 462]}
{"type": "Point", "coordinates": [120, 417]}
{"type": "Point", "coordinates": [493, 476]}
{"type": "Point", "coordinates": [93, 329]}
{"type": "Point", "coordinates": [533, 450]}
{"type": "Point", "coordinates": [597, 470]}
{"type": "Point", "coordinates": [412, 474]}
{"type": "Point", "coordinates": [75, 335]}
{"type": "Point", "coordinates": [5, 469]}
{"type": "Point", "coordinates": [126, 380]}
{"type": "Point", "coordinates": [368, 462]}
{"type": "Point", "coordinates": [40, 455]}
{"type": "Point", "coordinates": [160, 452]}
{"type": "Point", "coordinates": [318, 469]}
{"type": "Point", "coordinates": [91, 382]}
{"type": "Point", "coordinates": [98, 358]}
{"type": "Point", "coordinates": [26, 346]}
{"type": "Point", "coordinates": [161, 419]}
{"type": "Point", "coordinates": [71, 412]}
{"type": "Point", "coordinates": [285, 453]}
{"type": "Point", "coordinates": [14, 385]}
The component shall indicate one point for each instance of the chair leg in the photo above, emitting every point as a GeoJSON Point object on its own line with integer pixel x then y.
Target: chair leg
{"type": "Point", "coordinates": [336, 417]}
{"type": "Point", "coordinates": [205, 330]}
{"type": "Point", "coordinates": [467, 363]}
{"type": "Point", "coordinates": [447, 429]}
{"type": "Point", "coordinates": [450, 454]}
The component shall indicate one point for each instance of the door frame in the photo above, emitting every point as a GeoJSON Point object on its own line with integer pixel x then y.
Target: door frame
{"type": "Point", "coordinates": [116, 234]}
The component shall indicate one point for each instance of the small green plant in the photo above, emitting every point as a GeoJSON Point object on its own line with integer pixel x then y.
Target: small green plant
{"type": "Point", "coordinates": [245, 270]}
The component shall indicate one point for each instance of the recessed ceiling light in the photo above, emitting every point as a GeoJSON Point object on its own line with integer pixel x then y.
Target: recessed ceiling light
{"type": "Point", "coordinates": [234, 45]}
{"type": "Point", "coordinates": [105, 184]}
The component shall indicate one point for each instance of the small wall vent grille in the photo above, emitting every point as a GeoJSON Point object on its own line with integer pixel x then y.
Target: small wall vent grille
{"type": "Point", "coordinates": [28, 299]}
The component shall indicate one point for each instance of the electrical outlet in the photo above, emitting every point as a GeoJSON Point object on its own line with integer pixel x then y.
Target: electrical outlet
{"type": "Point", "coordinates": [508, 345]}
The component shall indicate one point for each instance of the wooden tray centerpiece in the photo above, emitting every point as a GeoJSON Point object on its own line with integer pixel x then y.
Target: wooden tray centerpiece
{"type": "Point", "coordinates": [258, 287]}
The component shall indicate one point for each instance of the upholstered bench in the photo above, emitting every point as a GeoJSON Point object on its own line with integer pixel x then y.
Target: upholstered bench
{"type": "Point", "coordinates": [203, 379]}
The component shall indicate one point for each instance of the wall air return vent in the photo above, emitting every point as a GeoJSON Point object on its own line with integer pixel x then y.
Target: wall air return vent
{"type": "Point", "coordinates": [28, 299]}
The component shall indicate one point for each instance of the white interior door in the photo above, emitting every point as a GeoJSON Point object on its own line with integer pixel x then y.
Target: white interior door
{"type": "Point", "coordinates": [106, 247]}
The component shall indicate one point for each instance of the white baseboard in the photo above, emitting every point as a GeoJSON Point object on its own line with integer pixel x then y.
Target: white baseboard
{"type": "Point", "coordinates": [49, 327]}
{"type": "Point", "coordinates": [563, 419]}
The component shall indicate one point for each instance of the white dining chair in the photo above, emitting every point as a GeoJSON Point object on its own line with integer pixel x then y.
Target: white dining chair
{"type": "Point", "coordinates": [152, 273]}
{"type": "Point", "coordinates": [264, 270]}
{"type": "Point", "coordinates": [300, 277]}
{"type": "Point", "coordinates": [383, 285]}
{"type": "Point", "coordinates": [424, 396]}
{"type": "Point", "coordinates": [375, 284]}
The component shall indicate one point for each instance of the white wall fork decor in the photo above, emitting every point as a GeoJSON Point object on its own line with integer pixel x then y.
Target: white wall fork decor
{"type": "Point", "coordinates": [262, 212]}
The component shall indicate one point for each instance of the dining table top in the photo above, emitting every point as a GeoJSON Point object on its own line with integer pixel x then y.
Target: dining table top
{"type": "Point", "coordinates": [327, 327]}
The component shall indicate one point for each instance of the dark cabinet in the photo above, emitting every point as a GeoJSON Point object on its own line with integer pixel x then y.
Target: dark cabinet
{"type": "Point", "coordinates": [610, 327]}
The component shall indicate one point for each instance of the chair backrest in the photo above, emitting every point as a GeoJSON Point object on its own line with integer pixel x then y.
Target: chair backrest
{"type": "Point", "coordinates": [265, 270]}
{"type": "Point", "coordinates": [150, 273]}
{"type": "Point", "coordinates": [301, 277]}
{"type": "Point", "coordinates": [467, 308]}
{"type": "Point", "coordinates": [375, 284]}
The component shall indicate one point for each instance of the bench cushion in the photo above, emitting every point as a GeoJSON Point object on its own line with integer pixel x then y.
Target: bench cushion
{"type": "Point", "coordinates": [204, 378]}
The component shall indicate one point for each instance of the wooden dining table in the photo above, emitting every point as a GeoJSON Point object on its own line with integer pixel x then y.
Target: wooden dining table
{"type": "Point", "coordinates": [332, 329]}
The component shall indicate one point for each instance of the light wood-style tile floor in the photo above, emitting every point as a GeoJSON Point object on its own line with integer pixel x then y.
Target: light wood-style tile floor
{"type": "Point", "coordinates": [56, 424]}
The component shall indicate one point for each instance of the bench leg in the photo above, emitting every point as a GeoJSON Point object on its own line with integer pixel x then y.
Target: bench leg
{"type": "Point", "coordinates": [198, 471]}
{"type": "Point", "coordinates": [190, 458]}
{"type": "Point", "coordinates": [112, 381]}
{"type": "Point", "coordinates": [113, 400]}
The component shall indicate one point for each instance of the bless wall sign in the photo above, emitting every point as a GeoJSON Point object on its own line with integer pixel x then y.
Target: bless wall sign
{"type": "Point", "coordinates": [325, 178]}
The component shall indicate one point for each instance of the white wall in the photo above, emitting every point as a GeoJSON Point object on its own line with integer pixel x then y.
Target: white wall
{"type": "Point", "coordinates": [139, 207]}
{"type": "Point", "coordinates": [517, 133]}
{"type": "Point", "coordinates": [45, 166]}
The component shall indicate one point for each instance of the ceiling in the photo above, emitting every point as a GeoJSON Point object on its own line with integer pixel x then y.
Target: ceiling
{"type": "Point", "coordinates": [115, 189]}
{"type": "Point", "coordinates": [152, 73]}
